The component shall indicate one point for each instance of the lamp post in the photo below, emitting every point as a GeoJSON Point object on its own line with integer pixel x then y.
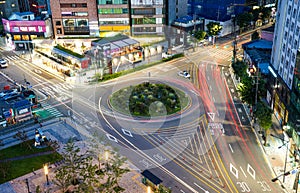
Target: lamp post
{"type": "Point", "coordinates": [285, 143]}
{"type": "Point", "coordinates": [106, 158]}
{"type": "Point", "coordinates": [46, 173]}
{"type": "Point", "coordinates": [27, 183]}
{"type": "Point", "coordinates": [148, 189]}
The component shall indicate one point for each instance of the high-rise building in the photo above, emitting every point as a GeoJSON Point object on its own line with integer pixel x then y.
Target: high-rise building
{"type": "Point", "coordinates": [175, 9]}
{"type": "Point", "coordinates": [284, 60]}
{"type": "Point", "coordinates": [147, 17]}
{"type": "Point", "coordinates": [216, 10]}
{"type": "Point", "coordinates": [113, 15]}
{"type": "Point", "coordinates": [74, 18]}
{"type": "Point", "coordinates": [7, 7]}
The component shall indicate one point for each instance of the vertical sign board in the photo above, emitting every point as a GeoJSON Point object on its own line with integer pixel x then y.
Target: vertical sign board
{"type": "Point", "coordinates": [103, 55]}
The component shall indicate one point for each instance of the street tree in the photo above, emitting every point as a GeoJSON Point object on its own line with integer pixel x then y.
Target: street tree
{"type": "Point", "coordinates": [22, 136]}
{"type": "Point", "coordinates": [214, 28]}
{"type": "Point", "coordinates": [255, 36]}
{"type": "Point", "coordinates": [263, 113]}
{"type": "Point", "coordinates": [244, 20]}
{"type": "Point", "coordinates": [200, 35]}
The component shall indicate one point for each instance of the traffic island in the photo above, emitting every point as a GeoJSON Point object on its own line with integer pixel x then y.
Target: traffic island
{"type": "Point", "coordinates": [149, 100]}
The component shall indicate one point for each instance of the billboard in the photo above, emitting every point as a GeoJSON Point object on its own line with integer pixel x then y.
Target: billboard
{"type": "Point", "coordinates": [24, 26]}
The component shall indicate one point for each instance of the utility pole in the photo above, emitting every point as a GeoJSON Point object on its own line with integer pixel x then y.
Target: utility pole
{"type": "Point", "coordinates": [234, 33]}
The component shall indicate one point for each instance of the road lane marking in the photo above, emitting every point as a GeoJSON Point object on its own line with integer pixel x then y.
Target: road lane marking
{"type": "Point", "coordinates": [201, 188]}
{"type": "Point", "coordinates": [144, 154]}
{"type": "Point", "coordinates": [234, 171]}
{"type": "Point", "coordinates": [126, 132]}
{"type": "Point", "coordinates": [230, 148]}
{"type": "Point", "coordinates": [251, 171]}
{"type": "Point", "coordinates": [243, 172]}
{"type": "Point", "coordinates": [112, 138]}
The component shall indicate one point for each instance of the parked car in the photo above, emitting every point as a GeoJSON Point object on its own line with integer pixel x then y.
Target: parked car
{"type": "Point", "coordinates": [184, 74]}
{"type": "Point", "coordinates": [3, 63]}
{"type": "Point", "coordinates": [5, 92]}
{"type": "Point", "coordinates": [10, 96]}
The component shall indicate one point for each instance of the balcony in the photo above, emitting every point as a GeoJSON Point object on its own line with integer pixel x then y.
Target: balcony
{"type": "Point", "coordinates": [77, 30]}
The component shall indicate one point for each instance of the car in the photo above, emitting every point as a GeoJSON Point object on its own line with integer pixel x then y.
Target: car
{"type": "Point", "coordinates": [10, 96]}
{"type": "Point", "coordinates": [3, 63]}
{"type": "Point", "coordinates": [184, 74]}
{"type": "Point", "coordinates": [6, 92]}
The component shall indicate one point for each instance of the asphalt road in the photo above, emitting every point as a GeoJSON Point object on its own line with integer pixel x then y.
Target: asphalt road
{"type": "Point", "coordinates": [182, 150]}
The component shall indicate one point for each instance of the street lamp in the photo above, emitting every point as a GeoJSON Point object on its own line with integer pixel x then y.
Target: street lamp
{"type": "Point", "coordinates": [46, 173]}
{"type": "Point", "coordinates": [106, 158]}
{"type": "Point", "coordinates": [148, 189]}
{"type": "Point", "coordinates": [285, 143]}
{"type": "Point", "coordinates": [27, 183]}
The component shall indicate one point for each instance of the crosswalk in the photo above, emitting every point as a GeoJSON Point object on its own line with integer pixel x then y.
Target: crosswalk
{"type": "Point", "coordinates": [218, 53]}
{"type": "Point", "coordinates": [54, 90]}
{"type": "Point", "coordinates": [52, 110]}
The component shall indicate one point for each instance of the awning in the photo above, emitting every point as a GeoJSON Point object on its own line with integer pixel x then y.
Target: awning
{"type": "Point", "coordinates": [154, 179]}
{"type": "Point", "coordinates": [131, 41]}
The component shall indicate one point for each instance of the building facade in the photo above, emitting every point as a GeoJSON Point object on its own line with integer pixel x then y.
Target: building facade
{"type": "Point", "coordinates": [21, 28]}
{"type": "Point", "coordinates": [74, 18]}
{"type": "Point", "coordinates": [7, 7]}
{"type": "Point", "coordinates": [175, 9]}
{"type": "Point", "coordinates": [283, 59]}
{"type": "Point", "coordinates": [147, 17]}
{"type": "Point", "coordinates": [113, 16]}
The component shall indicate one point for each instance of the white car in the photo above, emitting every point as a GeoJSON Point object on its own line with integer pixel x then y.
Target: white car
{"type": "Point", "coordinates": [3, 63]}
{"type": "Point", "coordinates": [184, 74]}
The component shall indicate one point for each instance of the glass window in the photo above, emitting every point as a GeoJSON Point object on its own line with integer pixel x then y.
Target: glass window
{"type": "Point", "coordinates": [57, 23]}
{"type": "Point", "coordinates": [17, 37]}
{"type": "Point", "coordinates": [69, 22]}
{"type": "Point", "coordinates": [58, 30]}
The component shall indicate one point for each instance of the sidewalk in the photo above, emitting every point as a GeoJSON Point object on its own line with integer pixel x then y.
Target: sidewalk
{"type": "Point", "coordinates": [276, 150]}
{"type": "Point", "coordinates": [63, 130]}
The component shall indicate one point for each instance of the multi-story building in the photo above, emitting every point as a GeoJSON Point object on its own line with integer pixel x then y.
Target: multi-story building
{"type": "Point", "coordinates": [147, 17]}
{"type": "Point", "coordinates": [7, 7]}
{"type": "Point", "coordinates": [113, 16]}
{"type": "Point", "coordinates": [217, 11]}
{"type": "Point", "coordinates": [22, 28]}
{"type": "Point", "coordinates": [74, 18]}
{"type": "Point", "coordinates": [175, 9]}
{"type": "Point", "coordinates": [284, 62]}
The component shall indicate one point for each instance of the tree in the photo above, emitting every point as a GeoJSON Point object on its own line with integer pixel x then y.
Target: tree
{"type": "Point", "coordinates": [79, 168]}
{"type": "Point", "coordinates": [22, 135]}
{"type": "Point", "coordinates": [255, 36]}
{"type": "Point", "coordinates": [244, 20]}
{"type": "Point", "coordinates": [200, 35]}
{"type": "Point", "coordinates": [263, 113]}
{"type": "Point", "coordinates": [213, 28]}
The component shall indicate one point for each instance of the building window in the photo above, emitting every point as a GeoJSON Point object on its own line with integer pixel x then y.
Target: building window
{"type": "Point", "coordinates": [73, 5]}
{"type": "Point", "coordinates": [285, 35]}
{"type": "Point", "coordinates": [295, 44]}
{"type": "Point", "coordinates": [294, 13]}
{"type": "Point", "coordinates": [290, 39]}
{"type": "Point", "coordinates": [287, 23]}
{"type": "Point", "coordinates": [83, 5]}
{"type": "Point", "coordinates": [288, 52]}
{"type": "Point", "coordinates": [58, 23]}
{"type": "Point", "coordinates": [283, 47]}
{"type": "Point", "coordinates": [291, 70]}
{"type": "Point", "coordinates": [282, 59]}
{"type": "Point", "coordinates": [289, 10]}
{"type": "Point", "coordinates": [58, 30]}
{"type": "Point", "coordinates": [292, 26]}
{"type": "Point", "coordinates": [294, 57]}
{"type": "Point", "coordinates": [297, 31]}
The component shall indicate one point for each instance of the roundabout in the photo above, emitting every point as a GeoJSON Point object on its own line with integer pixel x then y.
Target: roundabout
{"type": "Point", "coordinates": [148, 100]}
